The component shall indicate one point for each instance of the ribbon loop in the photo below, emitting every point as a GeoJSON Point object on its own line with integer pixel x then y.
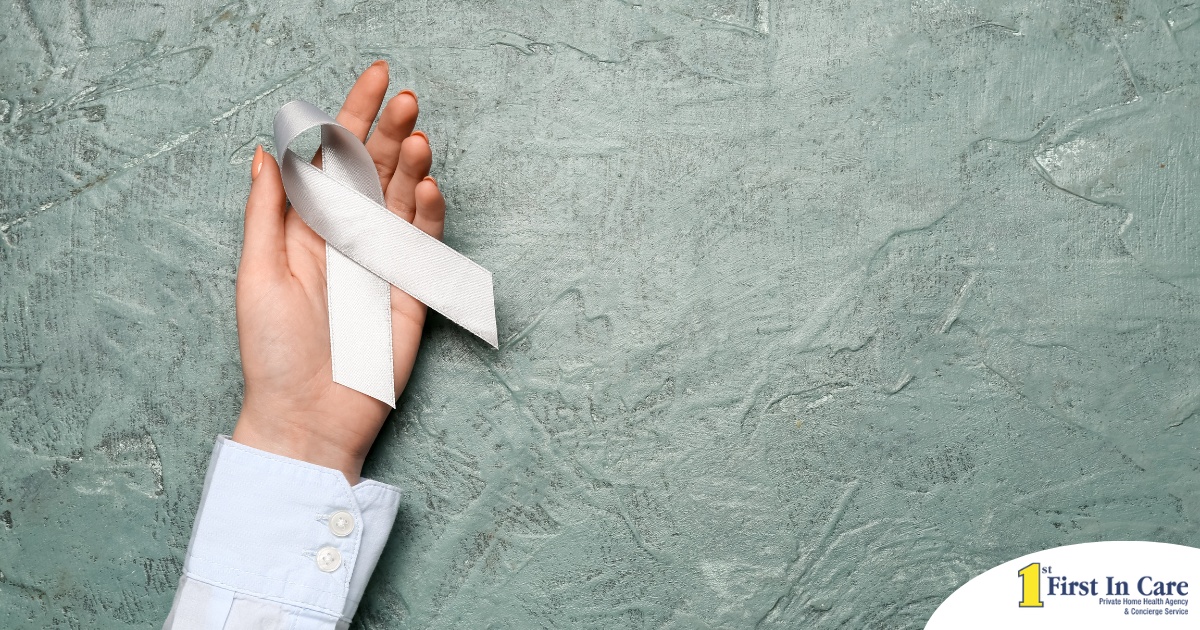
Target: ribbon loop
{"type": "Point", "coordinates": [368, 248]}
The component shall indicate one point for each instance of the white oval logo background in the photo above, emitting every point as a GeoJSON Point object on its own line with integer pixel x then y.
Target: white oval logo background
{"type": "Point", "coordinates": [1120, 584]}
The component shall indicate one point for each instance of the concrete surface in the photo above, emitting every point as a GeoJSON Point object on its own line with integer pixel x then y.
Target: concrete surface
{"type": "Point", "coordinates": [810, 311]}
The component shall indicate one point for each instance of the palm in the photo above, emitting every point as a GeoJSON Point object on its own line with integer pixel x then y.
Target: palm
{"type": "Point", "coordinates": [283, 319]}
{"type": "Point", "coordinates": [306, 259]}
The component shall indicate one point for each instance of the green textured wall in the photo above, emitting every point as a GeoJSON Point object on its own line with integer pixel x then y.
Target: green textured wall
{"type": "Point", "coordinates": [809, 311]}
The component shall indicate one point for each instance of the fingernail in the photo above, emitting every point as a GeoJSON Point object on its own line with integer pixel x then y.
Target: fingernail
{"type": "Point", "coordinates": [430, 178]}
{"type": "Point", "coordinates": [256, 165]}
{"type": "Point", "coordinates": [408, 92]}
{"type": "Point", "coordinates": [422, 134]}
{"type": "Point", "coordinates": [379, 62]}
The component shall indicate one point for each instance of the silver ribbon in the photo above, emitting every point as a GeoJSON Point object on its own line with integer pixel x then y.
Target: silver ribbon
{"type": "Point", "coordinates": [367, 248]}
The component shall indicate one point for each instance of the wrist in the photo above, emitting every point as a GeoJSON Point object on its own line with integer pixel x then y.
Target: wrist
{"type": "Point", "coordinates": [296, 440]}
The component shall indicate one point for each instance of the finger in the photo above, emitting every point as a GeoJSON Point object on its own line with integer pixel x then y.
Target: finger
{"type": "Point", "coordinates": [366, 96]}
{"type": "Point", "coordinates": [362, 103]}
{"type": "Point", "coordinates": [395, 124]}
{"type": "Point", "coordinates": [431, 208]}
{"type": "Point", "coordinates": [411, 168]}
{"type": "Point", "coordinates": [264, 248]}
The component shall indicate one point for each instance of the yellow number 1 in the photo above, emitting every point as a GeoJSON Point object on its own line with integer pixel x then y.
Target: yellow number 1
{"type": "Point", "coordinates": [1031, 586]}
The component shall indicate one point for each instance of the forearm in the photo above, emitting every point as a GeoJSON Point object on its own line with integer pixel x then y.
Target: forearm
{"type": "Point", "coordinates": [279, 543]}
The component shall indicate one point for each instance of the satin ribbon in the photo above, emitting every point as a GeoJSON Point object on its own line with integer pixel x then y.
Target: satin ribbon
{"type": "Point", "coordinates": [367, 248]}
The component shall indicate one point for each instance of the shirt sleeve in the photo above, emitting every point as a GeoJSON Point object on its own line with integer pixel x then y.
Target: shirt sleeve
{"type": "Point", "coordinates": [279, 544]}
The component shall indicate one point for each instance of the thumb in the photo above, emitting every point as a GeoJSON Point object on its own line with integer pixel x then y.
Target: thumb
{"type": "Point", "coordinates": [263, 246]}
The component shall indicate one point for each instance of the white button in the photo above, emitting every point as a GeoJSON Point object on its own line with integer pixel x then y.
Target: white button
{"type": "Point", "coordinates": [328, 559]}
{"type": "Point", "coordinates": [341, 524]}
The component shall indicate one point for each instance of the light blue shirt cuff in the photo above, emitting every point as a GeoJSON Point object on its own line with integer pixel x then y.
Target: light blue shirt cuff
{"type": "Point", "coordinates": [288, 531]}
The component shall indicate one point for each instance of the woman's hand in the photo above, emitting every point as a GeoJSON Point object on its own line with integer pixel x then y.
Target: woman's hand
{"type": "Point", "coordinates": [291, 406]}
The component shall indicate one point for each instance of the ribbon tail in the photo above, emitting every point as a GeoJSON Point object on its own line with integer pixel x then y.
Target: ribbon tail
{"type": "Point", "coordinates": [360, 328]}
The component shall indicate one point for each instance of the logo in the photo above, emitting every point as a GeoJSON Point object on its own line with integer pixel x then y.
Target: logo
{"type": "Point", "coordinates": [1129, 584]}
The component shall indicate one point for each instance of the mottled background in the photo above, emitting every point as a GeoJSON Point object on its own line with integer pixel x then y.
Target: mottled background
{"type": "Point", "coordinates": [810, 311]}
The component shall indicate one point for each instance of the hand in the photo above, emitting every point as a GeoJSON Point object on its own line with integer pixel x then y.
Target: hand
{"type": "Point", "coordinates": [291, 406]}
